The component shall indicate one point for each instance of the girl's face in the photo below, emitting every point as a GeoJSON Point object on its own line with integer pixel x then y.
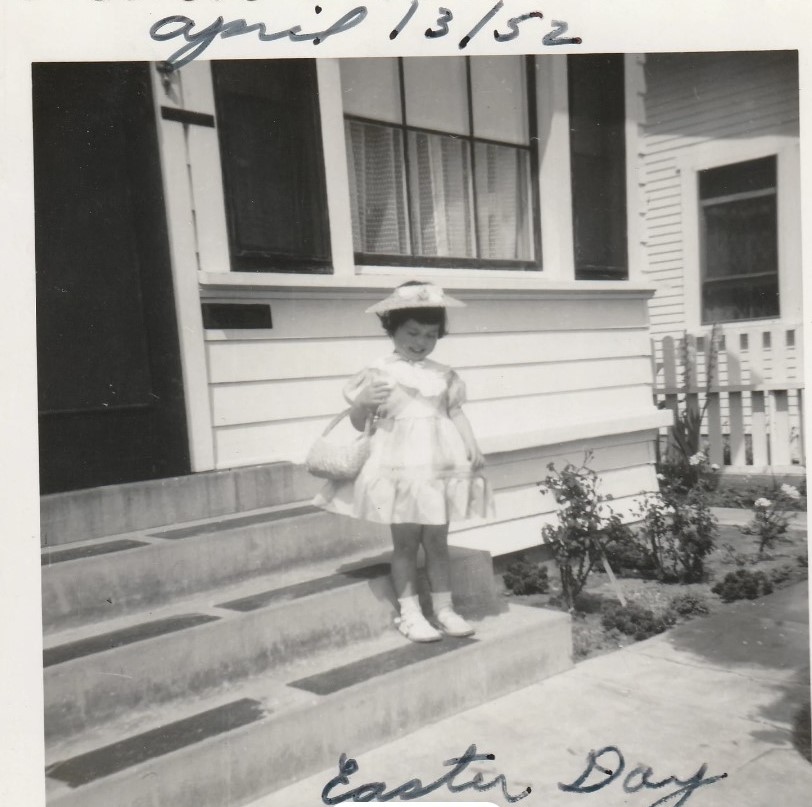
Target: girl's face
{"type": "Point", "coordinates": [414, 341]}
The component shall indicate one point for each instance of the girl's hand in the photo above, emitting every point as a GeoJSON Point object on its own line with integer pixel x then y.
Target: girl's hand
{"type": "Point", "coordinates": [374, 394]}
{"type": "Point", "coordinates": [475, 457]}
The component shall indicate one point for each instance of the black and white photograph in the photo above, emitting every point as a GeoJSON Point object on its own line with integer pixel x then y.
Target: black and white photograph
{"type": "Point", "coordinates": [415, 421]}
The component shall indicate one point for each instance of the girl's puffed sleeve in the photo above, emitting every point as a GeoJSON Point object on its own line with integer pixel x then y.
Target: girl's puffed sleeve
{"type": "Point", "coordinates": [456, 393]}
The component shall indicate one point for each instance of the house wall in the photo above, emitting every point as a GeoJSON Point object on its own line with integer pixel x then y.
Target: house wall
{"type": "Point", "coordinates": [554, 367]}
{"type": "Point", "coordinates": [703, 110]}
{"type": "Point", "coordinates": [550, 375]}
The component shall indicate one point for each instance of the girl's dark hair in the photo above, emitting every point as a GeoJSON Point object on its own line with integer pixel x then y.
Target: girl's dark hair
{"type": "Point", "coordinates": [392, 320]}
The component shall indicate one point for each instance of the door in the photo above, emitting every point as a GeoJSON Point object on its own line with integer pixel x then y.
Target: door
{"type": "Point", "coordinates": [110, 389]}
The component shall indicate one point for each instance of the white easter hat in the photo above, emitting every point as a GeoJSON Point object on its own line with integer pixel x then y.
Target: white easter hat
{"type": "Point", "coordinates": [423, 295]}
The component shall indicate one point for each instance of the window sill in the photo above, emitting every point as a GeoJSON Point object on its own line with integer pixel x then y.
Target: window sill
{"type": "Point", "coordinates": [489, 281]}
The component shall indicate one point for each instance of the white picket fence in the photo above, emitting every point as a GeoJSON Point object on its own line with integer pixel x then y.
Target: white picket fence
{"type": "Point", "coordinates": [754, 414]}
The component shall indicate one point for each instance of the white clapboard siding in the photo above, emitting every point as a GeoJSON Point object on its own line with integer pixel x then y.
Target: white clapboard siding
{"type": "Point", "coordinates": [252, 443]}
{"type": "Point", "coordinates": [506, 471]}
{"type": "Point", "coordinates": [313, 397]}
{"type": "Point", "coordinates": [693, 101]}
{"type": "Point", "coordinates": [232, 361]}
{"type": "Point", "coordinates": [551, 376]}
{"type": "Point", "coordinates": [516, 534]}
{"type": "Point", "coordinates": [295, 316]}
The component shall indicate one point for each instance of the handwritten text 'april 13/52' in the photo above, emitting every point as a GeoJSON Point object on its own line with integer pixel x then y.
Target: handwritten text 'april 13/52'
{"type": "Point", "coordinates": [197, 39]}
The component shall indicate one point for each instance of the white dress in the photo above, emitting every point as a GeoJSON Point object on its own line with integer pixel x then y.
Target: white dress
{"type": "Point", "coordinates": [417, 471]}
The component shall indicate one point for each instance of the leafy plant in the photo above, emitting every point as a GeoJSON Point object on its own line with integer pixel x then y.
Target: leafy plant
{"type": "Point", "coordinates": [685, 461]}
{"type": "Point", "coordinates": [523, 577]}
{"type": "Point", "coordinates": [689, 604]}
{"type": "Point", "coordinates": [782, 574]}
{"type": "Point", "coordinates": [730, 554]}
{"type": "Point", "coordinates": [770, 520]}
{"type": "Point", "coordinates": [635, 620]}
{"type": "Point", "coordinates": [678, 531]}
{"type": "Point", "coordinates": [743, 585]}
{"type": "Point", "coordinates": [585, 524]}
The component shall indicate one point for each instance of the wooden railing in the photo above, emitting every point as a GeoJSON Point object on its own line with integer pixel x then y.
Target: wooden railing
{"type": "Point", "coordinates": [749, 382]}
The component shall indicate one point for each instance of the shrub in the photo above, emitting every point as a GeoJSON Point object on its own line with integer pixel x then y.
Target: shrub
{"type": "Point", "coordinates": [743, 585]}
{"type": "Point", "coordinates": [630, 554]}
{"type": "Point", "coordinates": [635, 620]}
{"type": "Point", "coordinates": [586, 603]}
{"type": "Point", "coordinates": [782, 574]}
{"type": "Point", "coordinates": [770, 520]}
{"type": "Point", "coordinates": [678, 531]}
{"type": "Point", "coordinates": [689, 604]}
{"type": "Point", "coordinates": [803, 560]}
{"type": "Point", "coordinates": [730, 554]}
{"type": "Point", "coordinates": [585, 524]}
{"type": "Point", "coordinates": [523, 577]}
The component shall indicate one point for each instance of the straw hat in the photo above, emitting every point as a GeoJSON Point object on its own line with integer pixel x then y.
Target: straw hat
{"type": "Point", "coordinates": [419, 295]}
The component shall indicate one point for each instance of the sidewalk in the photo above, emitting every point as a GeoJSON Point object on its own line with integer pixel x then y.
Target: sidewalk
{"type": "Point", "coordinates": [720, 691]}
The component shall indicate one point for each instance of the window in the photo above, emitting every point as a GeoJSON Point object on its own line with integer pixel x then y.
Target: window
{"type": "Point", "coordinates": [273, 168]}
{"type": "Point", "coordinates": [598, 166]}
{"type": "Point", "coordinates": [739, 241]}
{"type": "Point", "coordinates": [441, 167]}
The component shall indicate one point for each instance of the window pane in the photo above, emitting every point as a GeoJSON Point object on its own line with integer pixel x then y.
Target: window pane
{"type": "Point", "coordinates": [442, 210]}
{"type": "Point", "coordinates": [740, 237]}
{"type": "Point", "coordinates": [436, 93]}
{"type": "Point", "coordinates": [370, 88]}
{"type": "Point", "coordinates": [499, 91]}
{"type": "Point", "coordinates": [503, 202]}
{"type": "Point", "coordinates": [729, 300]}
{"type": "Point", "coordinates": [377, 189]}
{"type": "Point", "coordinates": [753, 175]}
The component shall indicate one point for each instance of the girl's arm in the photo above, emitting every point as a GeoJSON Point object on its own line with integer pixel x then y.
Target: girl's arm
{"type": "Point", "coordinates": [371, 395]}
{"type": "Point", "coordinates": [471, 446]}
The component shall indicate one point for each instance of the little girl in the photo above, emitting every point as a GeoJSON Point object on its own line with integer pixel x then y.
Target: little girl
{"type": "Point", "coordinates": [424, 464]}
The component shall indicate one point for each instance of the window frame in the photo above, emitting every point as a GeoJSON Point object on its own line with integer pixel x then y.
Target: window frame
{"type": "Point", "coordinates": [786, 150]}
{"type": "Point", "coordinates": [531, 148]}
{"type": "Point", "coordinates": [704, 279]}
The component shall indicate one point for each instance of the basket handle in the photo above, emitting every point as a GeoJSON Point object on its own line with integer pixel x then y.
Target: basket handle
{"type": "Point", "coordinates": [337, 419]}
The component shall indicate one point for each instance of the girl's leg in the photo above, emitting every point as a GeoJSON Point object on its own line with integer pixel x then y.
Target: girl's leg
{"type": "Point", "coordinates": [438, 567]}
{"type": "Point", "coordinates": [412, 623]}
{"type": "Point", "coordinates": [406, 543]}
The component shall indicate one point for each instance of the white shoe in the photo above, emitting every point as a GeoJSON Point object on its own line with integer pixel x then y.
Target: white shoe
{"type": "Point", "coordinates": [417, 628]}
{"type": "Point", "coordinates": [452, 624]}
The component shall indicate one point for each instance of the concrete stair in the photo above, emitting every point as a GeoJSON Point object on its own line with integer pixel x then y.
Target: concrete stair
{"type": "Point", "coordinates": [210, 661]}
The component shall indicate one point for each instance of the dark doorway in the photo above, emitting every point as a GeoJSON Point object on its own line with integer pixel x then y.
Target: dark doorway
{"type": "Point", "coordinates": [110, 389]}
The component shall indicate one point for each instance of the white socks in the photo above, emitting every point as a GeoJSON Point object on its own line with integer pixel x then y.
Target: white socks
{"type": "Point", "coordinates": [441, 601]}
{"type": "Point", "coordinates": [409, 605]}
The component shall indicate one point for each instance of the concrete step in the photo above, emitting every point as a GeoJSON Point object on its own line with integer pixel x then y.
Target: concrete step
{"type": "Point", "coordinates": [79, 515]}
{"type": "Point", "coordinates": [112, 576]}
{"type": "Point", "coordinates": [270, 730]}
{"type": "Point", "coordinates": [99, 672]}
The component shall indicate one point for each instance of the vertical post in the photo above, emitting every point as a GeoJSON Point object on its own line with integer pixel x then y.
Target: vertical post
{"type": "Point", "coordinates": [670, 383]}
{"type": "Point", "coordinates": [715, 449]}
{"type": "Point", "coordinates": [779, 399]}
{"type": "Point", "coordinates": [758, 422]}
{"type": "Point", "coordinates": [779, 428]}
{"type": "Point", "coordinates": [691, 370]}
{"type": "Point", "coordinates": [738, 455]}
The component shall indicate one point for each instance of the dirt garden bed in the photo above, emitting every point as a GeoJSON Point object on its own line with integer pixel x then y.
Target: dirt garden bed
{"type": "Point", "coordinates": [670, 603]}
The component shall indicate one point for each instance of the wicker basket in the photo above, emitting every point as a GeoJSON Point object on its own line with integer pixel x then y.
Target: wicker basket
{"type": "Point", "coordinates": [330, 460]}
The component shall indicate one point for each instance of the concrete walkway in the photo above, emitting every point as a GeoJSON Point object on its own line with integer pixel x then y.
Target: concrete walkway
{"type": "Point", "coordinates": [720, 691]}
